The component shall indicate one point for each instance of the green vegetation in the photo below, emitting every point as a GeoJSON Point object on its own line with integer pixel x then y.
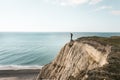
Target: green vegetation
{"type": "Point", "coordinates": [113, 41]}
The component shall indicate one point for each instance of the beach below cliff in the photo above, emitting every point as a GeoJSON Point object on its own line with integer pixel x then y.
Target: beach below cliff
{"type": "Point", "coordinates": [25, 74]}
{"type": "Point", "coordinates": [19, 74]}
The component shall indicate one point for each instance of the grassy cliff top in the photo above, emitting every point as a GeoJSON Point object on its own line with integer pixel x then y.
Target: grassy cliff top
{"type": "Point", "coordinates": [113, 40]}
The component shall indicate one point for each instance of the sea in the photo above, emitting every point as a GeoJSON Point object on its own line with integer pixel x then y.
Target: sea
{"type": "Point", "coordinates": [23, 50]}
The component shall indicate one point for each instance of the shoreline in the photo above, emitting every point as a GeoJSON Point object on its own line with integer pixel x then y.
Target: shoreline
{"type": "Point", "coordinates": [21, 74]}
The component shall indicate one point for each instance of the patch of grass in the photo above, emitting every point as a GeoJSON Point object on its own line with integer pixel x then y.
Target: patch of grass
{"type": "Point", "coordinates": [114, 40]}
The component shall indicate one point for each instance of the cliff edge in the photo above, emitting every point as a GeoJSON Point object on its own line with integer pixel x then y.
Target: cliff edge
{"type": "Point", "coordinates": [86, 58]}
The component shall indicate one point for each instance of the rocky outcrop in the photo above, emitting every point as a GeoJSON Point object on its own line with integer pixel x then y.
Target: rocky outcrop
{"type": "Point", "coordinates": [88, 58]}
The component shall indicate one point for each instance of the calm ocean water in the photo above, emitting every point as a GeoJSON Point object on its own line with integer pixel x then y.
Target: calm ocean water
{"type": "Point", "coordinates": [35, 49]}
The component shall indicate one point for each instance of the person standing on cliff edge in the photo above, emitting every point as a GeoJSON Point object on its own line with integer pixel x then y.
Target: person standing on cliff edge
{"type": "Point", "coordinates": [71, 36]}
{"type": "Point", "coordinates": [71, 40]}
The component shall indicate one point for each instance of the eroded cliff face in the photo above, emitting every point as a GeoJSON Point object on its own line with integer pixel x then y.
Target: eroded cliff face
{"type": "Point", "coordinates": [78, 60]}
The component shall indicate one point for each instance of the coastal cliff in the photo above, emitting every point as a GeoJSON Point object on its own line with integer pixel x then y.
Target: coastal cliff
{"type": "Point", "coordinates": [86, 58]}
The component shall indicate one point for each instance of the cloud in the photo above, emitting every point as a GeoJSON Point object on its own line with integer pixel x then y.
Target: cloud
{"type": "Point", "coordinates": [115, 12]}
{"type": "Point", "coordinates": [94, 1]}
{"type": "Point", "coordinates": [71, 2]}
{"type": "Point", "coordinates": [78, 1]}
{"type": "Point", "coordinates": [104, 8]}
{"type": "Point", "coordinates": [74, 2]}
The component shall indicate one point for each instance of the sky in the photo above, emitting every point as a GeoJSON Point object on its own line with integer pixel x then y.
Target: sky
{"type": "Point", "coordinates": [59, 15]}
